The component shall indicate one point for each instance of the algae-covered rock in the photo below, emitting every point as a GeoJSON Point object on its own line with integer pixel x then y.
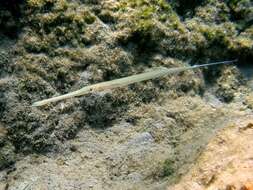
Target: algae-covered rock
{"type": "Point", "coordinates": [3, 134]}
{"type": "Point", "coordinates": [7, 155]}
{"type": "Point", "coordinates": [102, 110]}
{"type": "Point", "coordinates": [10, 13]}
{"type": "Point", "coordinates": [229, 84]}
{"type": "Point", "coordinates": [2, 103]}
{"type": "Point", "coordinates": [249, 101]}
{"type": "Point", "coordinates": [64, 45]}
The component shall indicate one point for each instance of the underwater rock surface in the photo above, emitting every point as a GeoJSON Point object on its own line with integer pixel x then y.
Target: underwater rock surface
{"type": "Point", "coordinates": [51, 47]}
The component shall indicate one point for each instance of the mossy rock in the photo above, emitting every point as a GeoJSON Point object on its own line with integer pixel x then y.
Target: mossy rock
{"type": "Point", "coordinates": [55, 24]}
{"type": "Point", "coordinates": [7, 155]}
{"type": "Point", "coordinates": [10, 14]}
{"type": "Point", "coordinates": [241, 9]}
{"type": "Point", "coordinates": [103, 110]}
{"type": "Point", "coordinates": [64, 40]}
{"type": "Point", "coordinates": [229, 81]}
{"type": "Point", "coordinates": [2, 103]}
{"type": "Point", "coordinates": [249, 101]}
{"type": "Point", "coordinates": [168, 168]}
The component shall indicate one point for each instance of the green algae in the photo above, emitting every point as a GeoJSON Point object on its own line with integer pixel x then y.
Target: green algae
{"type": "Point", "coordinates": [168, 168]}
{"type": "Point", "coordinates": [213, 28]}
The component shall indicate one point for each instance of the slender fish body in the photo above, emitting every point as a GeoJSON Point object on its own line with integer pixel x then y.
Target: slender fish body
{"type": "Point", "coordinates": [154, 73]}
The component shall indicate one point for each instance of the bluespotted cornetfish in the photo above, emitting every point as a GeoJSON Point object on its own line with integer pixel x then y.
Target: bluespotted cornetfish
{"type": "Point", "coordinates": [153, 73]}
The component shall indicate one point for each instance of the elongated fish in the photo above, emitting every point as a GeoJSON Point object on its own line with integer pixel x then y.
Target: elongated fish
{"type": "Point", "coordinates": [154, 73]}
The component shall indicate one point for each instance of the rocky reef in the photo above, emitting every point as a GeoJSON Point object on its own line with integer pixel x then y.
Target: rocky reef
{"type": "Point", "coordinates": [51, 47]}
